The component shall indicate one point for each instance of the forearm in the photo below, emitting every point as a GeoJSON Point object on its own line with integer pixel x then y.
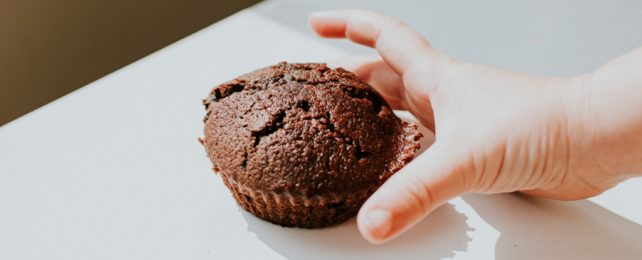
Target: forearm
{"type": "Point", "coordinates": [612, 105]}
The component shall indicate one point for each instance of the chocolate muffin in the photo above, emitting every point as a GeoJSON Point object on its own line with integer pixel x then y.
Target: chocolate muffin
{"type": "Point", "coordinates": [303, 145]}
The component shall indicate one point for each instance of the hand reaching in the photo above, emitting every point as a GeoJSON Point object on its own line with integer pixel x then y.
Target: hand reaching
{"type": "Point", "coordinates": [496, 130]}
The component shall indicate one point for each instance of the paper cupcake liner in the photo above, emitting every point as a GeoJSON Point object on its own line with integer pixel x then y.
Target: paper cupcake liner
{"type": "Point", "coordinates": [317, 211]}
{"type": "Point", "coordinates": [410, 145]}
{"type": "Point", "coordinates": [295, 210]}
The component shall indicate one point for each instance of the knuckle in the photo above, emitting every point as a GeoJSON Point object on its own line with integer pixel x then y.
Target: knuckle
{"type": "Point", "coordinates": [419, 192]}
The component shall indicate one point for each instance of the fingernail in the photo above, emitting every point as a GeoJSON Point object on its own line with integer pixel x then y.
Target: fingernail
{"type": "Point", "coordinates": [321, 14]}
{"type": "Point", "coordinates": [379, 223]}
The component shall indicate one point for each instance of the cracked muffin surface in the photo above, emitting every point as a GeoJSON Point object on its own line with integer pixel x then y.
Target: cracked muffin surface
{"type": "Point", "coordinates": [304, 131]}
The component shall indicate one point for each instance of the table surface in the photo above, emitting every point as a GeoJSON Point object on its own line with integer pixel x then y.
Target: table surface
{"type": "Point", "coordinates": [114, 170]}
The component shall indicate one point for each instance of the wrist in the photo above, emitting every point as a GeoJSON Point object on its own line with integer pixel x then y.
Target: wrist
{"type": "Point", "coordinates": [605, 139]}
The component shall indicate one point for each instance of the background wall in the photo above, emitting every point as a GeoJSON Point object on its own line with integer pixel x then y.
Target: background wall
{"type": "Point", "coordinates": [50, 48]}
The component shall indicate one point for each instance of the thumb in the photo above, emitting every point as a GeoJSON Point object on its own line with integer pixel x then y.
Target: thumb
{"type": "Point", "coordinates": [412, 193]}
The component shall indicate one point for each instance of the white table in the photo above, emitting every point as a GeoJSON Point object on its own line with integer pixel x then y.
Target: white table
{"type": "Point", "coordinates": [114, 171]}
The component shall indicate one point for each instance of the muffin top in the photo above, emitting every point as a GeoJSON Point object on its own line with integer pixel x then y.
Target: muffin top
{"type": "Point", "coordinates": [304, 129]}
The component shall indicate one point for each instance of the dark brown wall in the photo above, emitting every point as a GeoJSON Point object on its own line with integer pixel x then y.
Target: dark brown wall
{"type": "Point", "coordinates": [49, 48]}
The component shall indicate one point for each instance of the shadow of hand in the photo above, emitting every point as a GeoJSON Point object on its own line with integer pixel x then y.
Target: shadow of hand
{"type": "Point", "coordinates": [534, 228]}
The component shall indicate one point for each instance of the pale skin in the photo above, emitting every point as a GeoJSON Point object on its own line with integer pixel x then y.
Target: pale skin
{"type": "Point", "coordinates": [497, 131]}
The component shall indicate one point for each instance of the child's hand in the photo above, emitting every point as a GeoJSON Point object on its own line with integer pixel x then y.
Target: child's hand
{"type": "Point", "coordinates": [496, 131]}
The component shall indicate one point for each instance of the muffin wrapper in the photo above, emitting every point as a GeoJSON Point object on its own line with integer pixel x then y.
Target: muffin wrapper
{"type": "Point", "coordinates": [290, 210]}
{"type": "Point", "coordinates": [316, 211]}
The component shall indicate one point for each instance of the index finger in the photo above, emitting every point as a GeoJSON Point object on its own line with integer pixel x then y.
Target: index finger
{"type": "Point", "coordinates": [399, 45]}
